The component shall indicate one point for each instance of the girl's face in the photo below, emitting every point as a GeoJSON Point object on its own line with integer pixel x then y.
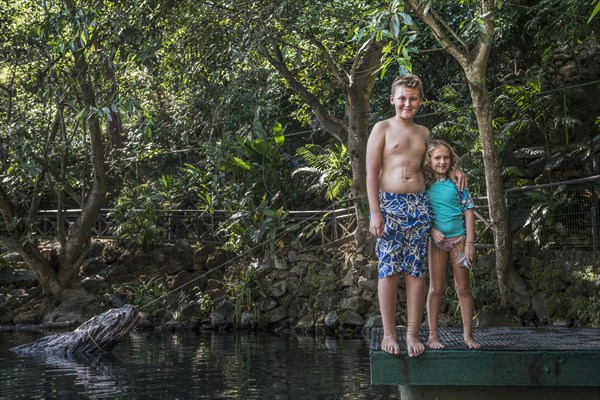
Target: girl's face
{"type": "Point", "coordinates": [440, 161]}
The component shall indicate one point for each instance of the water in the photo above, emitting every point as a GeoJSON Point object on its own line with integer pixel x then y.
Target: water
{"type": "Point", "coordinates": [150, 365]}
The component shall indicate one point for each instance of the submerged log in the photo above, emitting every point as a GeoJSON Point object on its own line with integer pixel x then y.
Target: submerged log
{"type": "Point", "coordinates": [99, 334]}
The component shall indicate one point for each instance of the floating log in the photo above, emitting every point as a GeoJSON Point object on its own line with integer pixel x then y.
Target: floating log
{"type": "Point", "coordinates": [99, 334]}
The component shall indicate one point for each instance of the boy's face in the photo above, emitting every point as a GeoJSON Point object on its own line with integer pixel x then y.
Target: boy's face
{"type": "Point", "coordinates": [406, 101]}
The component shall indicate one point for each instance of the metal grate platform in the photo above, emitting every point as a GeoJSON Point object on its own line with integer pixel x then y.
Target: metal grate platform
{"type": "Point", "coordinates": [508, 338]}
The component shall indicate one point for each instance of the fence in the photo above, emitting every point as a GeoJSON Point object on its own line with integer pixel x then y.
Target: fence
{"type": "Point", "coordinates": [319, 227]}
{"type": "Point", "coordinates": [556, 215]}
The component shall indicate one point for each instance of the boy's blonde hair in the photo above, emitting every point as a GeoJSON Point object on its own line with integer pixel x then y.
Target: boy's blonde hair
{"type": "Point", "coordinates": [432, 145]}
{"type": "Point", "coordinates": [408, 80]}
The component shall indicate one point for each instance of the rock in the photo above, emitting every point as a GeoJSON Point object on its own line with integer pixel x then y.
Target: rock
{"type": "Point", "coordinates": [277, 290]}
{"type": "Point", "coordinates": [306, 324]}
{"type": "Point", "coordinates": [538, 303]}
{"type": "Point", "coordinates": [352, 318]}
{"type": "Point", "coordinates": [92, 283]}
{"type": "Point", "coordinates": [280, 263]}
{"type": "Point", "coordinates": [332, 319]}
{"type": "Point", "coordinates": [266, 303]}
{"type": "Point", "coordinates": [181, 257]}
{"type": "Point", "coordinates": [247, 320]}
{"type": "Point", "coordinates": [222, 314]}
{"type": "Point", "coordinates": [348, 279]}
{"type": "Point", "coordinates": [93, 266]}
{"type": "Point", "coordinates": [355, 304]}
{"type": "Point", "coordinates": [373, 321]}
{"type": "Point", "coordinates": [277, 314]}
{"type": "Point", "coordinates": [17, 276]}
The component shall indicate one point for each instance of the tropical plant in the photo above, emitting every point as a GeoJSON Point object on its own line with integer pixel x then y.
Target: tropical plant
{"type": "Point", "coordinates": [329, 169]}
{"type": "Point", "coordinates": [543, 220]}
{"type": "Point", "coordinates": [136, 215]}
{"type": "Point", "coordinates": [244, 289]}
{"type": "Point", "coordinates": [525, 112]}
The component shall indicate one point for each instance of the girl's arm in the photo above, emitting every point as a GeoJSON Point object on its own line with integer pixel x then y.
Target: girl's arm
{"type": "Point", "coordinates": [437, 235]}
{"type": "Point", "coordinates": [470, 236]}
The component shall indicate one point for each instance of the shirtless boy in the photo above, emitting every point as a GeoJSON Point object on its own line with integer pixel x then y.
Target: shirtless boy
{"type": "Point", "coordinates": [401, 217]}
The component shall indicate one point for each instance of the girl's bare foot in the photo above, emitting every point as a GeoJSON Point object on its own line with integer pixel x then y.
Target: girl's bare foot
{"type": "Point", "coordinates": [471, 344]}
{"type": "Point", "coordinates": [414, 347]}
{"type": "Point", "coordinates": [434, 343]}
{"type": "Point", "coordinates": [390, 345]}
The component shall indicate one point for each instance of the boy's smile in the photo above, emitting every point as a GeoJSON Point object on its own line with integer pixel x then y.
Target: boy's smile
{"type": "Point", "coordinates": [406, 101]}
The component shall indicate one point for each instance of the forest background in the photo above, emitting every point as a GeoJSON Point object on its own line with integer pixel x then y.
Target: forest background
{"type": "Point", "coordinates": [259, 108]}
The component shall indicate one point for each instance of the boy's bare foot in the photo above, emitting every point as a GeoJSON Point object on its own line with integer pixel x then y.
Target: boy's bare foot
{"type": "Point", "coordinates": [434, 343]}
{"type": "Point", "coordinates": [414, 347]}
{"type": "Point", "coordinates": [472, 344]}
{"type": "Point", "coordinates": [390, 345]}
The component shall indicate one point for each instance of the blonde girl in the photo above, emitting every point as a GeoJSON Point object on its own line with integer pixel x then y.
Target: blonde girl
{"type": "Point", "coordinates": [452, 239]}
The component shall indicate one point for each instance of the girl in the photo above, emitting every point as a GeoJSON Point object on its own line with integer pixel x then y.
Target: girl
{"type": "Point", "coordinates": [452, 238]}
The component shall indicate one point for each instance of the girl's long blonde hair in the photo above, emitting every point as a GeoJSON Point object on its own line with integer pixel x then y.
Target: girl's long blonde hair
{"type": "Point", "coordinates": [432, 145]}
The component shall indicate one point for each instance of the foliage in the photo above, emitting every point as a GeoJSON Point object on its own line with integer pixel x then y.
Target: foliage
{"type": "Point", "coordinates": [329, 168]}
{"type": "Point", "coordinates": [544, 220]}
{"type": "Point", "coordinates": [526, 111]}
{"type": "Point", "coordinates": [459, 128]}
{"type": "Point", "coordinates": [149, 296]}
{"type": "Point", "coordinates": [244, 289]}
{"type": "Point", "coordinates": [571, 293]}
{"type": "Point", "coordinates": [135, 217]}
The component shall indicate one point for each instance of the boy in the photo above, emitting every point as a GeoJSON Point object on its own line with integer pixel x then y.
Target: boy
{"type": "Point", "coordinates": [401, 217]}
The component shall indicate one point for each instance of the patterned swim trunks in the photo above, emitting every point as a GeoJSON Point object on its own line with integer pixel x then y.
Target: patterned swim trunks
{"type": "Point", "coordinates": [403, 246]}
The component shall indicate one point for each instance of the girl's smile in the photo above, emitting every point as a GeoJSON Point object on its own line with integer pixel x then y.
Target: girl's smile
{"type": "Point", "coordinates": [440, 162]}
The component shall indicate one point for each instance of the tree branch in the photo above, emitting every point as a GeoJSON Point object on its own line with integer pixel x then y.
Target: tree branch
{"type": "Point", "coordinates": [334, 126]}
{"type": "Point", "coordinates": [438, 31]}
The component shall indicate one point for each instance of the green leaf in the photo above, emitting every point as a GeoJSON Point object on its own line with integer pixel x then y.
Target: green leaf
{"type": "Point", "coordinates": [596, 11]}
{"type": "Point", "coordinates": [395, 25]}
{"type": "Point", "coordinates": [278, 133]}
{"type": "Point", "coordinates": [242, 164]}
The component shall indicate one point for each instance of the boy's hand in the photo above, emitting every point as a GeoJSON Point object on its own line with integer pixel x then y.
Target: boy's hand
{"type": "Point", "coordinates": [376, 226]}
{"type": "Point", "coordinates": [460, 179]}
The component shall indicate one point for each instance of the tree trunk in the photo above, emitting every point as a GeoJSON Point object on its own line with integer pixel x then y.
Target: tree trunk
{"type": "Point", "coordinates": [511, 286]}
{"type": "Point", "coordinates": [473, 62]}
{"type": "Point", "coordinates": [74, 250]}
{"type": "Point", "coordinates": [357, 113]}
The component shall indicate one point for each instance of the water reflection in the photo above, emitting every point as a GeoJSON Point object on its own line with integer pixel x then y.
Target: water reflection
{"type": "Point", "coordinates": [197, 366]}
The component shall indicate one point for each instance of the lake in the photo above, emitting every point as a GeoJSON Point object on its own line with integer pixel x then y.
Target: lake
{"type": "Point", "coordinates": [151, 365]}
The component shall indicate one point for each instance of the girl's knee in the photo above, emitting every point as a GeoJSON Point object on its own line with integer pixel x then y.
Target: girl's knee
{"type": "Point", "coordinates": [463, 290]}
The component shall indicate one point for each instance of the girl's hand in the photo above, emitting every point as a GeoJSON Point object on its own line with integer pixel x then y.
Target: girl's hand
{"type": "Point", "coordinates": [437, 235]}
{"type": "Point", "coordinates": [470, 251]}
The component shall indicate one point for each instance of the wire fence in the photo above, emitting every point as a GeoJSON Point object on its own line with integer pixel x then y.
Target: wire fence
{"type": "Point", "coordinates": [557, 215]}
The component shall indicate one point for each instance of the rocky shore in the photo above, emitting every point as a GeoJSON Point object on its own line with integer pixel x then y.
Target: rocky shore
{"type": "Point", "coordinates": [182, 287]}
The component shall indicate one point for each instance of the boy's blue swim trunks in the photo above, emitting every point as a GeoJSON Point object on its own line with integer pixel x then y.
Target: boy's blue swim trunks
{"type": "Point", "coordinates": [408, 221]}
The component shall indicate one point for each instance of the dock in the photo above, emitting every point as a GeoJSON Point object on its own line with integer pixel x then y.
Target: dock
{"type": "Point", "coordinates": [546, 363]}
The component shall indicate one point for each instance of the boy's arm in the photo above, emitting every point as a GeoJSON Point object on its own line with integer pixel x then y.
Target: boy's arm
{"type": "Point", "coordinates": [374, 159]}
{"type": "Point", "coordinates": [470, 236]}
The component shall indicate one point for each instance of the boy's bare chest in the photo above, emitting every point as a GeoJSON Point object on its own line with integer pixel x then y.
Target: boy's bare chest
{"type": "Point", "coordinates": [410, 144]}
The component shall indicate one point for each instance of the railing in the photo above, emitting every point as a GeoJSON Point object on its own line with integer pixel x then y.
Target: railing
{"type": "Point", "coordinates": [206, 227]}
{"type": "Point", "coordinates": [557, 215]}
